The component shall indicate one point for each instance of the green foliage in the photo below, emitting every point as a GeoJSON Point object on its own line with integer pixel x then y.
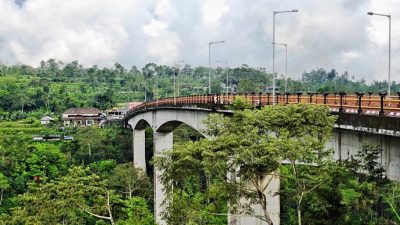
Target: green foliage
{"type": "Point", "coordinates": [256, 141]}
{"type": "Point", "coordinates": [4, 183]}
{"type": "Point", "coordinates": [240, 103]}
{"type": "Point", "coordinates": [348, 194]}
{"type": "Point", "coordinates": [185, 133]}
{"type": "Point", "coordinates": [80, 197]}
{"type": "Point", "coordinates": [195, 207]}
{"type": "Point", "coordinates": [137, 213]}
{"type": "Point", "coordinates": [94, 144]}
{"type": "Point", "coordinates": [26, 165]}
{"type": "Point", "coordinates": [45, 161]}
{"type": "Point", "coordinates": [103, 167]}
{"type": "Point", "coordinates": [367, 161]}
{"type": "Point", "coordinates": [392, 198]}
{"type": "Point", "coordinates": [130, 181]}
{"type": "Point", "coordinates": [56, 86]}
{"type": "Point", "coordinates": [65, 199]}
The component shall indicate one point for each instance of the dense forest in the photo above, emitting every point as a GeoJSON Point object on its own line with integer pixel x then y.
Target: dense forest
{"type": "Point", "coordinates": [56, 86]}
{"type": "Point", "coordinates": [91, 179]}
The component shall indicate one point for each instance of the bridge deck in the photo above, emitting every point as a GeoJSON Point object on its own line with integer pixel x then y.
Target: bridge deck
{"type": "Point", "coordinates": [353, 104]}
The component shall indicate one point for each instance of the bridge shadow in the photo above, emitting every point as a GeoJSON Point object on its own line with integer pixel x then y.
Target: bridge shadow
{"type": "Point", "coordinates": [149, 151]}
{"type": "Point", "coordinates": [182, 133]}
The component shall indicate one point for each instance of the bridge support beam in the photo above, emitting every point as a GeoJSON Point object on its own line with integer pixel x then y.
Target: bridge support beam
{"type": "Point", "coordinates": [139, 149]}
{"type": "Point", "coordinates": [162, 141]}
{"type": "Point", "coordinates": [273, 205]}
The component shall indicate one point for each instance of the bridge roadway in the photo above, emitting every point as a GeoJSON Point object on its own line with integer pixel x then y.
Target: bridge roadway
{"type": "Point", "coordinates": [373, 119]}
{"type": "Point", "coordinates": [338, 102]}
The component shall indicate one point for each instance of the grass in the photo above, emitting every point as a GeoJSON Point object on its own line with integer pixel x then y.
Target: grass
{"type": "Point", "coordinates": [21, 129]}
{"type": "Point", "coordinates": [26, 126]}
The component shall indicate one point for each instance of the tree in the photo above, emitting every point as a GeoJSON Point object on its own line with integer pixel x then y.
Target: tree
{"type": "Point", "coordinates": [90, 144]}
{"type": "Point", "coordinates": [366, 162]}
{"type": "Point", "coordinates": [392, 199]}
{"type": "Point", "coordinates": [252, 144]}
{"type": "Point", "coordinates": [73, 69]}
{"type": "Point", "coordinates": [364, 187]}
{"type": "Point", "coordinates": [4, 185]}
{"type": "Point", "coordinates": [137, 213]}
{"type": "Point", "coordinates": [130, 181]}
{"type": "Point", "coordinates": [104, 100]}
{"type": "Point", "coordinates": [347, 195]}
{"type": "Point", "coordinates": [46, 161]}
{"type": "Point", "coordinates": [71, 199]}
{"type": "Point", "coordinates": [304, 132]}
{"type": "Point", "coordinates": [21, 101]}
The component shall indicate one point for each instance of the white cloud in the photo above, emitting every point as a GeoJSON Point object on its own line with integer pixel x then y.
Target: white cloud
{"type": "Point", "coordinates": [154, 28]}
{"type": "Point", "coordinates": [66, 30]}
{"type": "Point", "coordinates": [163, 44]}
{"type": "Point", "coordinates": [351, 55]}
{"type": "Point", "coordinates": [162, 8]}
{"type": "Point", "coordinates": [213, 10]}
{"type": "Point", "coordinates": [325, 33]}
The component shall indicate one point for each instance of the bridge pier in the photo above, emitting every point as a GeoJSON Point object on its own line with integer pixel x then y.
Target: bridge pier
{"type": "Point", "coordinates": [162, 141]}
{"type": "Point", "coordinates": [347, 142]}
{"type": "Point", "coordinates": [139, 149]}
{"type": "Point", "coordinates": [273, 205]}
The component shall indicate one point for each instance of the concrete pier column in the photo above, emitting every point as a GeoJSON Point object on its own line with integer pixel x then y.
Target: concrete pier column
{"type": "Point", "coordinates": [273, 201]}
{"type": "Point", "coordinates": [139, 149]}
{"type": "Point", "coordinates": [162, 141]}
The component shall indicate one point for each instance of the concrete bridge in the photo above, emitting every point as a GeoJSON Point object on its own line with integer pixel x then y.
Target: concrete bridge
{"type": "Point", "coordinates": [362, 119]}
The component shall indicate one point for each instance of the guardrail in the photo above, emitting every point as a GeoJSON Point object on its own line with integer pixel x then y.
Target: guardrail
{"type": "Point", "coordinates": [358, 103]}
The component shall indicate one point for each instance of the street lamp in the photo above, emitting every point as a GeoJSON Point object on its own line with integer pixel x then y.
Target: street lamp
{"type": "Point", "coordinates": [390, 37]}
{"type": "Point", "coordinates": [285, 45]}
{"type": "Point", "coordinates": [273, 50]}
{"type": "Point", "coordinates": [179, 72]}
{"type": "Point", "coordinates": [227, 74]}
{"type": "Point", "coordinates": [209, 63]}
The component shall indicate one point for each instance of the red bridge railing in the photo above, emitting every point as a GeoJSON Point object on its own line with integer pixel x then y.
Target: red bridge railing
{"type": "Point", "coordinates": [358, 103]}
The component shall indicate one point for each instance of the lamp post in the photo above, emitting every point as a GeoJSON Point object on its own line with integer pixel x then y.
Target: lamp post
{"type": "Point", "coordinates": [209, 62]}
{"type": "Point", "coordinates": [273, 50]}
{"type": "Point", "coordinates": [285, 45]}
{"type": "Point", "coordinates": [390, 37]}
{"type": "Point", "coordinates": [227, 74]}
{"type": "Point", "coordinates": [179, 72]}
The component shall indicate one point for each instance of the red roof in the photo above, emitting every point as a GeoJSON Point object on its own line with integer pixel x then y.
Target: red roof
{"type": "Point", "coordinates": [82, 111]}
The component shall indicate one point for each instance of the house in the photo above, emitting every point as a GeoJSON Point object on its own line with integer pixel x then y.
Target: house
{"type": "Point", "coordinates": [117, 113]}
{"type": "Point", "coordinates": [46, 120]}
{"type": "Point", "coordinates": [82, 117]}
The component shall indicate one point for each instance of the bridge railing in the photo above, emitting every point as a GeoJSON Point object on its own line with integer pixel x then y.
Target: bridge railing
{"type": "Point", "coordinates": [341, 102]}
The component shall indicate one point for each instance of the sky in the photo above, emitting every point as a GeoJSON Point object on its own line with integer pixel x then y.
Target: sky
{"type": "Point", "coordinates": [323, 34]}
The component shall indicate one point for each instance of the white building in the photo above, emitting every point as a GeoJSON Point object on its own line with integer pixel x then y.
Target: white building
{"type": "Point", "coordinates": [46, 120]}
{"type": "Point", "coordinates": [82, 117]}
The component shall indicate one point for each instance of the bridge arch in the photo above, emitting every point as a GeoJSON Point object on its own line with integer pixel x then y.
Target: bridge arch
{"type": "Point", "coordinates": [169, 126]}
{"type": "Point", "coordinates": [163, 122]}
{"type": "Point", "coordinates": [141, 124]}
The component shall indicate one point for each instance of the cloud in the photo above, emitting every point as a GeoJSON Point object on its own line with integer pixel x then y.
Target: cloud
{"type": "Point", "coordinates": [213, 10]}
{"type": "Point", "coordinates": [329, 34]}
{"type": "Point", "coordinates": [163, 44]}
{"type": "Point", "coordinates": [162, 8]}
{"type": "Point", "coordinates": [154, 28]}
